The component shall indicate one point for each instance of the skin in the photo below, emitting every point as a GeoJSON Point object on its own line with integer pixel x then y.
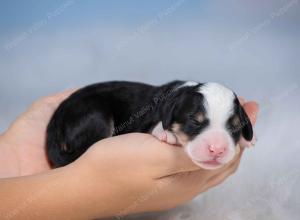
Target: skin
{"type": "Point", "coordinates": [117, 176]}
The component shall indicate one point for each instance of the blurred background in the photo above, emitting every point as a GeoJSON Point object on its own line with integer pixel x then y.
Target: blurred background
{"type": "Point", "coordinates": [252, 47]}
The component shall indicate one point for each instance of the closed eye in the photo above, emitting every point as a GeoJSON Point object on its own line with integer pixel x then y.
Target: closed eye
{"type": "Point", "coordinates": [197, 118]}
{"type": "Point", "coordinates": [195, 121]}
{"type": "Point", "coordinates": [192, 126]}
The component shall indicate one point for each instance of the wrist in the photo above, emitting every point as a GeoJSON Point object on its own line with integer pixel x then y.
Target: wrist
{"type": "Point", "coordinates": [105, 193]}
{"type": "Point", "coordinates": [94, 194]}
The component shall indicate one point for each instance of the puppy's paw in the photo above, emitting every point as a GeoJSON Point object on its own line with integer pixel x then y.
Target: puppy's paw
{"type": "Point", "coordinates": [164, 135]}
{"type": "Point", "coordinates": [171, 138]}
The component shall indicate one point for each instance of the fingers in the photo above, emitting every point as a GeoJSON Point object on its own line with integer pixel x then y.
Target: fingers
{"type": "Point", "coordinates": [63, 95]}
{"type": "Point", "coordinates": [251, 109]}
{"type": "Point", "coordinates": [224, 174]}
{"type": "Point", "coordinates": [176, 161]}
{"type": "Point", "coordinates": [242, 100]}
{"type": "Point", "coordinates": [161, 159]}
{"type": "Point", "coordinates": [173, 160]}
{"type": "Point", "coordinates": [220, 178]}
{"type": "Point", "coordinates": [51, 102]}
{"type": "Point", "coordinates": [239, 152]}
{"type": "Point", "coordinates": [201, 180]}
{"type": "Point", "coordinates": [57, 98]}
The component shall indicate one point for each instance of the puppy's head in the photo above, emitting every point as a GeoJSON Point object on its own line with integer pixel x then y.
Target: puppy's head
{"type": "Point", "coordinates": [208, 121]}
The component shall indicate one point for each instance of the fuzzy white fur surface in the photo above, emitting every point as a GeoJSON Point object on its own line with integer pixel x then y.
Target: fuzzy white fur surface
{"type": "Point", "coordinates": [267, 183]}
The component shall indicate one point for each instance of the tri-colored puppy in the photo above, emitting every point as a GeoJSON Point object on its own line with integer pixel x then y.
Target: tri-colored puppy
{"type": "Point", "coordinates": [205, 118]}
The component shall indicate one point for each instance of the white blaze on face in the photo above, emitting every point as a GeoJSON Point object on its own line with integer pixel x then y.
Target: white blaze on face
{"type": "Point", "coordinates": [219, 103]}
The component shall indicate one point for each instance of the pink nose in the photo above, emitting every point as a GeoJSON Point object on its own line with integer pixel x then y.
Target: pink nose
{"type": "Point", "coordinates": [216, 151]}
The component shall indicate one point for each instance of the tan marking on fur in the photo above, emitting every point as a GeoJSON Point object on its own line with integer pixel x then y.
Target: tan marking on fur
{"type": "Point", "coordinates": [111, 125]}
{"type": "Point", "coordinates": [181, 137]}
{"type": "Point", "coordinates": [63, 147]}
{"type": "Point", "coordinates": [236, 121]}
{"type": "Point", "coordinates": [200, 117]}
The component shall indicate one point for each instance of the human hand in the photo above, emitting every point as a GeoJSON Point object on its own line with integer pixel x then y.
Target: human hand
{"type": "Point", "coordinates": [134, 172]}
{"type": "Point", "coordinates": [138, 173]}
{"type": "Point", "coordinates": [25, 138]}
{"type": "Point", "coordinates": [173, 168]}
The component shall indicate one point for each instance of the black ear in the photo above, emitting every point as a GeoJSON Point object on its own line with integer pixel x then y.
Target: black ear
{"type": "Point", "coordinates": [247, 130]}
{"type": "Point", "coordinates": [168, 108]}
{"type": "Point", "coordinates": [168, 113]}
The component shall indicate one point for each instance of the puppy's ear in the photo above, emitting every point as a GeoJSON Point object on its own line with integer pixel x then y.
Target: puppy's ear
{"type": "Point", "coordinates": [168, 113]}
{"type": "Point", "coordinates": [247, 130]}
{"type": "Point", "coordinates": [167, 108]}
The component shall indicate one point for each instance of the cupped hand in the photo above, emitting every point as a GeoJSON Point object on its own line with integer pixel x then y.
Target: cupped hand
{"type": "Point", "coordinates": [26, 136]}
{"type": "Point", "coordinates": [143, 173]}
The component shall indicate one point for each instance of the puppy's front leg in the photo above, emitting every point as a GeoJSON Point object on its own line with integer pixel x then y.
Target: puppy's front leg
{"type": "Point", "coordinates": [164, 135]}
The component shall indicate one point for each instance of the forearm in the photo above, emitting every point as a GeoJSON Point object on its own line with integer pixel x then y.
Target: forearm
{"type": "Point", "coordinates": [56, 194]}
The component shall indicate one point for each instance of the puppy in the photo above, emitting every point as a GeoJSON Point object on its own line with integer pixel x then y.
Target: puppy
{"type": "Point", "coordinates": [205, 118]}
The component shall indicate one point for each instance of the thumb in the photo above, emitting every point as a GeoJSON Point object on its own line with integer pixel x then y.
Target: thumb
{"type": "Point", "coordinates": [170, 159]}
{"type": "Point", "coordinates": [251, 109]}
{"type": "Point", "coordinates": [167, 159]}
{"type": "Point", "coordinates": [140, 151]}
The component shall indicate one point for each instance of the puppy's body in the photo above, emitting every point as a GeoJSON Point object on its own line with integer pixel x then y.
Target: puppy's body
{"type": "Point", "coordinates": [99, 111]}
{"type": "Point", "coordinates": [178, 112]}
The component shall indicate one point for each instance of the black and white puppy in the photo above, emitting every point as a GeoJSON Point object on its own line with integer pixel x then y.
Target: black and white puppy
{"type": "Point", "coordinates": [205, 118]}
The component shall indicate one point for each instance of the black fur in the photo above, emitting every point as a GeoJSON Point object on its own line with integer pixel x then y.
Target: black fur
{"type": "Point", "coordinates": [86, 116]}
{"type": "Point", "coordinates": [244, 127]}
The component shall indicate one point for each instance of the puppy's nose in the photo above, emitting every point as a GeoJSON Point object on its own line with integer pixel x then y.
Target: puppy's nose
{"type": "Point", "coordinates": [216, 150]}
